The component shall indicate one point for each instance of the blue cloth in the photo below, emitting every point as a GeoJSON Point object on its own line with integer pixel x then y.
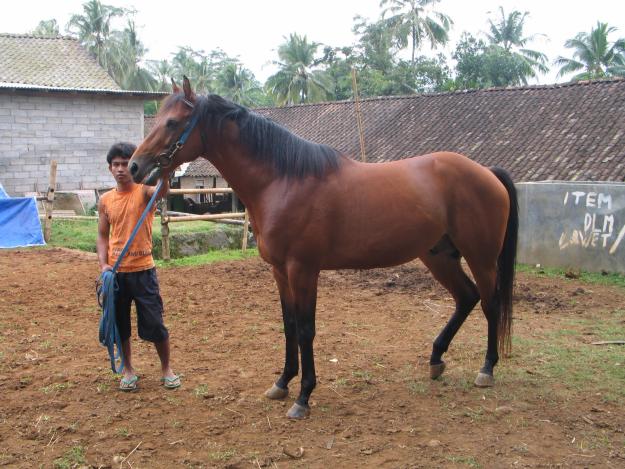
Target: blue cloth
{"type": "Point", "coordinates": [19, 222]}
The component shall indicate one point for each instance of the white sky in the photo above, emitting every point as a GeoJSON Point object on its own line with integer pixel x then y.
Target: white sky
{"type": "Point", "coordinates": [253, 29]}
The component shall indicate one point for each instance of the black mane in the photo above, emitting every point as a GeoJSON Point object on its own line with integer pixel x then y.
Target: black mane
{"type": "Point", "coordinates": [290, 155]}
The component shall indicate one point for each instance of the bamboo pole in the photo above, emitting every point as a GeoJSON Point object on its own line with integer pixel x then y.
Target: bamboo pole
{"type": "Point", "coordinates": [246, 224]}
{"type": "Point", "coordinates": [214, 216]}
{"type": "Point", "coordinates": [361, 135]}
{"type": "Point", "coordinates": [165, 230]}
{"type": "Point", "coordinates": [49, 203]}
{"type": "Point", "coordinates": [215, 190]}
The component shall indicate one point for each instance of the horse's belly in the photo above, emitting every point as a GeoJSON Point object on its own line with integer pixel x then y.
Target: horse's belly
{"type": "Point", "coordinates": [387, 251]}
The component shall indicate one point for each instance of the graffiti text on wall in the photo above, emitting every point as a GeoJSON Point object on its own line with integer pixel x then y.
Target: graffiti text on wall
{"type": "Point", "coordinates": [598, 225]}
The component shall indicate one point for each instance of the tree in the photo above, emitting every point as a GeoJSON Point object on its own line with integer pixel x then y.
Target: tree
{"type": "Point", "coordinates": [412, 23]}
{"type": "Point", "coordinates": [593, 55]}
{"type": "Point", "coordinates": [162, 71]}
{"type": "Point", "coordinates": [125, 52]}
{"type": "Point", "coordinates": [481, 65]}
{"type": "Point", "coordinates": [93, 27]}
{"type": "Point", "coordinates": [507, 33]}
{"type": "Point", "coordinates": [47, 28]}
{"type": "Point", "coordinates": [297, 81]}
{"type": "Point", "coordinates": [238, 84]}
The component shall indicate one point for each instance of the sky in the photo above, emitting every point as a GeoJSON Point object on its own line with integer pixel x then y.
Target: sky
{"type": "Point", "coordinates": [252, 30]}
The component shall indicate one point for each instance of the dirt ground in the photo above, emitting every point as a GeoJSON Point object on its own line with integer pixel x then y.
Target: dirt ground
{"type": "Point", "coordinates": [374, 405]}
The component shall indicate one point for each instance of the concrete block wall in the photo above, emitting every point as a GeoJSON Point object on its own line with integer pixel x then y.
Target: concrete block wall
{"type": "Point", "coordinates": [572, 225]}
{"type": "Point", "coordinates": [75, 130]}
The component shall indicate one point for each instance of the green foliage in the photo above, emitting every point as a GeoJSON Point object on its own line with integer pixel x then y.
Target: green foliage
{"type": "Point", "coordinates": [46, 28]}
{"type": "Point", "coordinates": [594, 56]}
{"type": "Point", "coordinates": [298, 80]}
{"type": "Point", "coordinates": [410, 23]}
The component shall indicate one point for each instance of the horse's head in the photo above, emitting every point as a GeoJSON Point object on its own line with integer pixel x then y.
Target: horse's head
{"type": "Point", "coordinates": [172, 141]}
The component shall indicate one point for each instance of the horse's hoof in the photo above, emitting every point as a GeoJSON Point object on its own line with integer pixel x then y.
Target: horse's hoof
{"type": "Point", "coordinates": [298, 411]}
{"type": "Point", "coordinates": [484, 380]}
{"type": "Point", "coordinates": [275, 392]}
{"type": "Point", "coordinates": [437, 370]}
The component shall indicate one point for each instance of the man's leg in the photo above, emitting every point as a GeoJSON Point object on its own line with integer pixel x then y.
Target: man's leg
{"type": "Point", "coordinates": [150, 324]}
{"type": "Point", "coordinates": [128, 372]}
{"type": "Point", "coordinates": [123, 299]}
{"type": "Point", "coordinates": [162, 349]}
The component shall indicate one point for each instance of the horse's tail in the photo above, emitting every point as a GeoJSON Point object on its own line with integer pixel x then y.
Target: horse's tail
{"type": "Point", "coordinates": [506, 263]}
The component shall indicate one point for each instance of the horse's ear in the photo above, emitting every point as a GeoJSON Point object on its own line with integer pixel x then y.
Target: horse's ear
{"type": "Point", "coordinates": [186, 86]}
{"type": "Point", "coordinates": [174, 87]}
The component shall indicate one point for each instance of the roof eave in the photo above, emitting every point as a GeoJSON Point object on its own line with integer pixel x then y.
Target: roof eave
{"type": "Point", "coordinates": [21, 88]}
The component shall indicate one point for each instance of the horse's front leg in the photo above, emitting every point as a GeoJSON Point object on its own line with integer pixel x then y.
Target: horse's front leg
{"type": "Point", "coordinates": [303, 285]}
{"type": "Point", "coordinates": [280, 388]}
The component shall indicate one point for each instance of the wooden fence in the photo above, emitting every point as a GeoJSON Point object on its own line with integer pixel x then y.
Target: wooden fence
{"type": "Point", "coordinates": [166, 219]}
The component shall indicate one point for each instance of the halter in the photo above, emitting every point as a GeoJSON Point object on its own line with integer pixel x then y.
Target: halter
{"type": "Point", "coordinates": [164, 159]}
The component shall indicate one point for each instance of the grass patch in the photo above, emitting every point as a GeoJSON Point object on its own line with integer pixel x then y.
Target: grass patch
{"type": "Point", "coordinates": [610, 279]}
{"type": "Point", "coordinates": [467, 460]}
{"type": "Point", "coordinates": [209, 257]}
{"type": "Point", "coordinates": [72, 458]}
{"type": "Point", "coordinates": [56, 387]}
{"type": "Point", "coordinates": [82, 234]}
{"type": "Point", "coordinates": [565, 358]}
{"type": "Point", "coordinates": [222, 455]}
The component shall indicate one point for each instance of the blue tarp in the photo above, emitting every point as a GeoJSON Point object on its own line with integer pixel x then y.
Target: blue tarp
{"type": "Point", "coordinates": [19, 222]}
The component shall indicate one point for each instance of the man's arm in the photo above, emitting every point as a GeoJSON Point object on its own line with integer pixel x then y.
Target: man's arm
{"type": "Point", "coordinates": [102, 243]}
{"type": "Point", "coordinates": [148, 191]}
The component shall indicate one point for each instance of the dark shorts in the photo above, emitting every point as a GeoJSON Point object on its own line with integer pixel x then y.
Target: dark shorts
{"type": "Point", "coordinates": [142, 287]}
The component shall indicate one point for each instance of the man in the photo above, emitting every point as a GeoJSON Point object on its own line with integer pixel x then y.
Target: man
{"type": "Point", "coordinates": [119, 210]}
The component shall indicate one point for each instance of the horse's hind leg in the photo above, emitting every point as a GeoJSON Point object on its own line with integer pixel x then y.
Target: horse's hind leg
{"type": "Point", "coordinates": [280, 389]}
{"type": "Point", "coordinates": [486, 279]}
{"type": "Point", "coordinates": [445, 267]}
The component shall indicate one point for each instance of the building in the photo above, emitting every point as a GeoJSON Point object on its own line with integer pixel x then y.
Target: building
{"type": "Point", "coordinates": [58, 103]}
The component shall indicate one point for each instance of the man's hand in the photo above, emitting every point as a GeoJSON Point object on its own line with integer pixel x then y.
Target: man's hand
{"type": "Point", "coordinates": [105, 267]}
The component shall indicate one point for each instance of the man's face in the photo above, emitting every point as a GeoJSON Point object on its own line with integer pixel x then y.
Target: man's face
{"type": "Point", "coordinates": [119, 169]}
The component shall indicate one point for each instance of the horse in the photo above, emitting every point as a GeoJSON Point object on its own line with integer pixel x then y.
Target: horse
{"type": "Point", "coordinates": [312, 208]}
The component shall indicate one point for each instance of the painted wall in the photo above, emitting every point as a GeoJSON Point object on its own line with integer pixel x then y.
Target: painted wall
{"type": "Point", "coordinates": [76, 130]}
{"type": "Point", "coordinates": [572, 225]}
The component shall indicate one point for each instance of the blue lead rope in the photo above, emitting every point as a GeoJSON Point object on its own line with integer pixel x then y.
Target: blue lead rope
{"type": "Point", "coordinates": [105, 291]}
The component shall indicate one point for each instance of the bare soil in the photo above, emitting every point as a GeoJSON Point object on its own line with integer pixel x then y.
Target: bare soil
{"type": "Point", "coordinates": [374, 405]}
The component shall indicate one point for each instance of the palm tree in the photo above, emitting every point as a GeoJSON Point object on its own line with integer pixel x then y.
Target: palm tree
{"type": "Point", "coordinates": [124, 53]}
{"type": "Point", "coordinates": [296, 81]}
{"type": "Point", "coordinates": [594, 54]}
{"type": "Point", "coordinates": [238, 84]}
{"type": "Point", "coordinates": [47, 28]}
{"type": "Point", "coordinates": [93, 28]}
{"type": "Point", "coordinates": [162, 71]}
{"type": "Point", "coordinates": [410, 19]}
{"type": "Point", "coordinates": [508, 34]}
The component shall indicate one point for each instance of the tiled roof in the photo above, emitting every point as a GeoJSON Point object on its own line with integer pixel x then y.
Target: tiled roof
{"type": "Point", "coordinates": [201, 168]}
{"type": "Point", "coordinates": [58, 62]}
{"type": "Point", "coordinates": [573, 131]}
{"type": "Point", "coordinates": [53, 64]}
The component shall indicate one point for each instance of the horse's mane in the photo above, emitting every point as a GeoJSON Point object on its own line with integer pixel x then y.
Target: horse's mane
{"type": "Point", "coordinates": [290, 155]}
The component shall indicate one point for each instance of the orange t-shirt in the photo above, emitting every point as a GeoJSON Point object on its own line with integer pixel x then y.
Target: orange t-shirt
{"type": "Point", "coordinates": [123, 210]}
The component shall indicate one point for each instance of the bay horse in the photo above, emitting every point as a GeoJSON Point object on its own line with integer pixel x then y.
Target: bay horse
{"type": "Point", "coordinates": [312, 208]}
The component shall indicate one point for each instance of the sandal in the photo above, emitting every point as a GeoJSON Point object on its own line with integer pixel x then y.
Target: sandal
{"type": "Point", "coordinates": [171, 383]}
{"type": "Point", "coordinates": [129, 384]}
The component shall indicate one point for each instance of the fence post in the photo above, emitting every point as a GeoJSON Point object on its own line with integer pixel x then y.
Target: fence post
{"type": "Point", "coordinates": [49, 203]}
{"type": "Point", "coordinates": [246, 224]}
{"type": "Point", "coordinates": [165, 230]}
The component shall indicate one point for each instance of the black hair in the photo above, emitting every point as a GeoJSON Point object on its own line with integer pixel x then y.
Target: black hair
{"type": "Point", "coordinates": [290, 155]}
{"type": "Point", "coordinates": [123, 149]}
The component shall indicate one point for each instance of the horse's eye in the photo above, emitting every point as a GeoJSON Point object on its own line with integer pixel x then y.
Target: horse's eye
{"type": "Point", "coordinates": [171, 124]}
